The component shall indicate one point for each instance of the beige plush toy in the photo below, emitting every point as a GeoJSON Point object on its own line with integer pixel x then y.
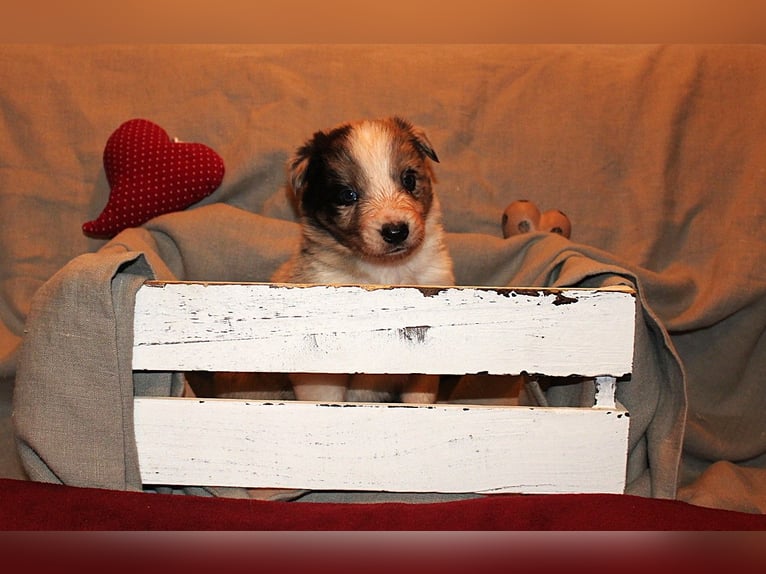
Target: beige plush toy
{"type": "Point", "coordinates": [523, 216]}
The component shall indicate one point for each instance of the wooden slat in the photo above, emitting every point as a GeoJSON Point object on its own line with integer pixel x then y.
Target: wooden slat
{"type": "Point", "coordinates": [267, 328]}
{"type": "Point", "coordinates": [381, 447]}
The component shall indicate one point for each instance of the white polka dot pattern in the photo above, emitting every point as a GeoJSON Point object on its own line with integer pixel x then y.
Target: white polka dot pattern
{"type": "Point", "coordinates": [149, 174]}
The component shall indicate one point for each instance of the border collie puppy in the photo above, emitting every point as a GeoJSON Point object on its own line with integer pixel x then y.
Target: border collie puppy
{"type": "Point", "coordinates": [369, 215]}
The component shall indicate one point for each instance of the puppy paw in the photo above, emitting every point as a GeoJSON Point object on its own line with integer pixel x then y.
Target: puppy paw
{"type": "Point", "coordinates": [421, 389]}
{"type": "Point", "coordinates": [523, 216]}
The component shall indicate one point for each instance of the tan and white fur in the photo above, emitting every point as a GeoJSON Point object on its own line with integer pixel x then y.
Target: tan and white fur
{"type": "Point", "coordinates": [369, 215]}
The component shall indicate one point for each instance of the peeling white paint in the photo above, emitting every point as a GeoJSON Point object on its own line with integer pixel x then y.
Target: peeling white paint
{"type": "Point", "coordinates": [263, 328]}
{"type": "Point", "coordinates": [381, 447]}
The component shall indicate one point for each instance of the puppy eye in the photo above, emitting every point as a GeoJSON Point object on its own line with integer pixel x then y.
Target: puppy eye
{"type": "Point", "coordinates": [409, 180]}
{"type": "Point", "coordinates": [347, 196]}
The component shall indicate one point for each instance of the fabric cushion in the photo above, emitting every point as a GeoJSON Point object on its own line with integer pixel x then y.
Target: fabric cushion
{"type": "Point", "coordinates": [149, 174]}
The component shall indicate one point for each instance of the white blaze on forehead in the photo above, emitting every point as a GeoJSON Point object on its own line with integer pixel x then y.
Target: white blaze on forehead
{"type": "Point", "coordinates": [370, 145]}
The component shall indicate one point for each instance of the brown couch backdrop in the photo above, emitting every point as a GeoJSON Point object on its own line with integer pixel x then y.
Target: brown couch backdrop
{"type": "Point", "coordinates": [656, 153]}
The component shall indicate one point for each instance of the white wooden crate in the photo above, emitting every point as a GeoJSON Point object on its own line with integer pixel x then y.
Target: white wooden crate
{"type": "Point", "coordinates": [384, 447]}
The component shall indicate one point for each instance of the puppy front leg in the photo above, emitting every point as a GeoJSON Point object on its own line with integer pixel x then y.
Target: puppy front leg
{"type": "Point", "coordinates": [319, 386]}
{"type": "Point", "coordinates": [421, 389]}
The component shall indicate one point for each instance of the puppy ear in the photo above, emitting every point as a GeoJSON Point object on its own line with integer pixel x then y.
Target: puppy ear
{"type": "Point", "coordinates": [422, 143]}
{"type": "Point", "coordinates": [419, 138]}
{"type": "Point", "coordinates": [296, 170]}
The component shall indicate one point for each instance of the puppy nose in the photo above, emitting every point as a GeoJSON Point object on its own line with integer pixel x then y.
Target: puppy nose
{"type": "Point", "coordinates": [394, 232]}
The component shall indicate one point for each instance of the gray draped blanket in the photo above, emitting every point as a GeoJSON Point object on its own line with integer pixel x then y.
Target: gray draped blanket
{"type": "Point", "coordinates": [74, 409]}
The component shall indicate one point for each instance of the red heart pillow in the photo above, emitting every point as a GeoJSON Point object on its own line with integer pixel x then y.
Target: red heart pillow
{"type": "Point", "coordinates": [149, 174]}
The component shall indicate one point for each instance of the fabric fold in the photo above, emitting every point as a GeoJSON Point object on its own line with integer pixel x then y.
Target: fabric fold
{"type": "Point", "coordinates": [73, 396]}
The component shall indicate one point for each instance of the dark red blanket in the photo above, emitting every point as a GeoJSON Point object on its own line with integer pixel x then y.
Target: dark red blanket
{"type": "Point", "coordinates": [37, 506]}
{"type": "Point", "coordinates": [362, 547]}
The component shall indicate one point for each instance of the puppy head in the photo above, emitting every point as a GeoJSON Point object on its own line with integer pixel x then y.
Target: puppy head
{"type": "Point", "coordinates": [368, 185]}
